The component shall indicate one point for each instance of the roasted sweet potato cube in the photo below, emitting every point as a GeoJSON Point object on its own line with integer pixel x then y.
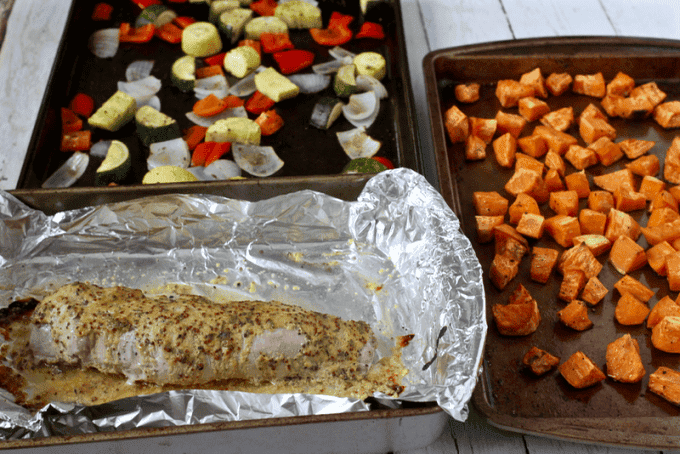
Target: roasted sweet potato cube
{"type": "Point", "coordinates": [598, 244]}
{"type": "Point", "coordinates": [564, 202]}
{"type": "Point", "coordinates": [626, 200]}
{"type": "Point", "coordinates": [668, 231]}
{"type": "Point", "coordinates": [580, 371]}
{"type": "Point", "coordinates": [628, 284]}
{"type": "Point", "coordinates": [504, 149]}
{"type": "Point", "coordinates": [592, 129]}
{"type": "Point", "coordinates": [531, 225]}
{"type": "Point", "coordinates": [620, 85]}
{"type": "Point", "coordinates": [575, 315]}
{"type": "Point", "coordinates": [467, 93]}
{"type": "Point", "coordinates": [626, 255]}
{"type": "Point", "coordinates": [656, 257]}
{"type": "Point", "coordinates": [557, 141]}
{"type": "Point", "coordinates": [580, 157]}
{"type": "Point", "coordinates": [558, 83]}
{"type": "Point", "coordinates": [673, 271]}
{"type": "Point", "coordinates": [572, 283]}
{"type": "Point", "coordinates": [580, 258]}
{"type": "Point", "coordinates": [578, 182]}
{"type": "Point", "coordinates": [675, 192]}
{"type": "Point", "coordinates": [484, 128]}
{"type": "Point", "coordinates": [630, 310]}
{"type": "Point", "coordinates": [620, 223]}
{"type": "Point", "coordinates": [607, 151]}
{"type": "Point", "coordinates": [650, 186]}
{"type": "Point", "coordinates": [634, 148]}
{"type": "Point", "coordinates": [523, 180]}
{"type": "Point", "coordinates": [485, 226]}
{"type": "Point", "coordinates": [475, 148]}
{"type": "Point", "coordinates": [601, 201]}
{"type": "Point", "coordinates": [612, 180]}
{"type": "Point", "coordinates": [663, 308]}
{"type": "Point", "coordinates": [554, 161]}
{"type": "Point", "coordinates": [651, 91]}
{"type": "Point", "coordinates": [503, 270]}
{"type": "Point", "coordinates": [612, 105]}
{"type": "Point", "coordinates": [509, 92]}
{"type": "Point", "coordinates": [591, 111]}
{"type": "Point", "coordinates": [666, 334]}
{"type": "Point", "coordinates": [589, 85]}
{"type": "Point", "coordinates": [553, 181]}
{"type": "Point", "coordinates": [563, 229]}
{"type": "Point", "coordinates": [524, 203]}
{"type": "Point", "coordinates": [663, 200]}
{"type": "Point", "coordinates": [532, 108]}
{"type": "Point", "coordinates": [489, 203]}
{"type": "Point", "coordinates": [671, 168]}
{"type": "Point", "coordinates": [635, 107]}
{"type": "Point", "coordinates": [533, 145]}
{"type": "Point", "coordinates": [524, 161]}
{"type": "Point", "coordinates": [594, 291]}
{"type": "Point", "coordinates": [624, 363]}
{"type": "Point", "coordinates": [509, 242]}
{"type": "Point", "coordinates": [509, 122]}
{"type": "Point", "coordinates": [645, 165]}
{"type": "Point", "coordinates": [560, 119]}
{"type": "Point", "coordinates": [535, 80]}
{"type": "Point", "coordinates": [666, 383]}
{"type": "Point", "coordinates": [543, 260]}
{"type": "Point", "coordinates": [457, 124]}
{"type": "Point", "coordinates": [539, 361]}
{"type": "Point", "coordinates": [519, 317]}
{"type": "Point", "coordinates": [592, 222]}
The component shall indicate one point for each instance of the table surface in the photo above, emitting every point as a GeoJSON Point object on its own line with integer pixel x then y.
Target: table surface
{"type": "Point", "coordinates": [34, 28]}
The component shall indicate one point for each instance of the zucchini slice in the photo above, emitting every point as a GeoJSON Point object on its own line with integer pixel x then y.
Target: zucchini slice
{"type": "Point", "coordinates": [234, 129]}
{"type": "Point", "coordinates": [183, 74]}
{"type": "Point", "coordinates": [345, 82]}
{"type": "Point", "coordinates": [371, 64]}
{"type": "Point", "coordinates": [262, 24]}
{"type": "Point", "coordinates": [116, 165]}
{"type": "Point", "coordinates": [232, 22]}
{"type": "Point", "coordinates": [201, 39]}
{"type": "Point", "coordinates": [154, 126]}
{"type": "Point", "coordinates": [299, 14]}
{"type": "Point", "coordinates": [275, 86]}
{"type": "Point", "coordinates": [116, 111]}
{"type": "Point", "coordinates": [241, 61]}
{"type": "Point", "coordinates": [218, 7]}
{"type": "Point", "coordinates": [325, 112]}
{"type": "Point", "coordinates": [168, 174]}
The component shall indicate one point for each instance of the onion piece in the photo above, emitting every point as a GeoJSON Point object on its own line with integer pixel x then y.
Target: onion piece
{"type": "Point", "coordinates": [357, 144]}
{"type": "Point", "coordinates": [344, 55]}
{"type": "Point", "coordinates": [154, 102]}
{"type": "Point", "coordinates": [174, 152]}
{"type": "Point", "coordinates": [362, 109]}
{"type": "Point", "coordinates": [104, 43]}
{"type": "Point", "coordinates": [216, 85]}
{"type": "Point", "coordinates": [69, 172]}
{"type": "Point", "coordinates": [246, 86]}
{"type": "Point", "coordinates": [367, 83]}
{"type": "Point", "coordinates": [142, 90]}
{"type": "Point", "coordinates": [239, 111]}
{"type": "Point", "coordinates": [138, 69]}
{"type": "Point", "coordinates": [223, 169]}
{"type": "Point", "coordinates": [310, 83]}
{"type": "Point", "coordinates": [328, 67]}
{"type": "Point", "coordinates": [257, 160]}
{"type": "Point", "coordinates": [99, 149]}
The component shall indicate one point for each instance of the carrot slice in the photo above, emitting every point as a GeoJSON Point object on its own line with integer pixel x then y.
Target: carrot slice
{"type": "Point", "coordinates": [219, 150]}
{"type": "Point", "coordinates": [270, 122]}
{"type": "Point", "coordinates": [170, 33]}
{"type": "Point", "coordinates": [70, 121]}
{"type": "Point", "coordinates": [209, 106]}
{"type": "Point", "coordinates": [194, 135]}
{"type": "Point", "coordinates": [233, 101]}
{"type": "Point", "coordinates": [258, 103]}
{"type": "Point", "coordinates": [209, 71]}
{"type": "Point", "coordinates": [141, 34]}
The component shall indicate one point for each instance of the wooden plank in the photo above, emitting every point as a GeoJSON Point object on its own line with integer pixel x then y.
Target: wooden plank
{"type": "Point", "coordinates": [460, 22]}
{"type": "Point", "coordinates": [476, 436]}
{"type": "Point", "coordinates": [553, 446]}
{"type": "Point", "coordinates": [556, 18]}
{"type": "Point", "coordinates": [651, 18]}
{"type": "Point", "coordinates": [33, 33]}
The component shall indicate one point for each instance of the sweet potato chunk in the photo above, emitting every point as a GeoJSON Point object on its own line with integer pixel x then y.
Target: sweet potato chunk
{"type": "Point", "coordinates": [620, 85]}
{"type": "Point", "coordinates": [580, 371]}
{"type": "Point", "coordinates": [628, 284]}
{"type": "Point", "coordinates": [524, 180]}
{"type": "Point", "coordinates": [539, 361]}
{"type": "Point", "coordinates": [557, 141]}
{"type": "Point", "coordinates": [673, 271]}
{"type": "Point", "coordinates": [554, 161]}
{"type": "Point", "coordinates": [484, 128]}
{"type": "Point", "coordinates": [671, 168]}
{"type": "Point", "coordinates": [564, 202]}
{"type": "Point", "coordinates": [457, 124]}
{"type": "Point", "coordinates": [485, 226]}
{"type": "Point", "coordinates": [503, 270]}
{"type": "Point", "coordinates": [578, 182]}
{"type": "Point", "coordinates": [520, 316]}
{"type": "Point", "coordinates": [598, 244]}
{"type": "Point", "coordinates": [509, 122]}
{"type": "Point", "coordinates": [663, 308]}
{"type": "Point", "coordinates": [656, 257]}
{"type": "Point", "coordinates": [620, 223]}
{"type": "Point", "coordinates": [624, 363]}
{"type": "Point", "coordinates": [626, 255]}
{"type": "Point", "coordinates": [504, 149]}
{"type": "Point", "coordinates": [560, 119]}
{"type": "Point", "coordinates": [589, 85]}
{"type": "Point", "coordinates": [489, 203]}
{"type": "Point", "coordinates": [651, 186]}
{"type": "Point", "coordinates": [563, 229]}
{"type": "Point", "coordinates": [661, 216]}
{"type": "Point", "coordinates": [663, 199]}
{"type": "Point", "coordinates": [666, 334]}
{"type": "Point", "coordinates": [558, 83]}
{"type": "Point", "coordinates": [535, 80]}
{"type": "Point", "coordinates": [531, 225]}
{"type": "Point", "coordinates": [634, 148]}
{"type": "Point", "coordinates": [467, 93]}
{"type": "Point", "coordinates": [651, 91]}
{"type": "Point", "coordinates": [475, 148]}
{"type": "Point", "coordinates": [580, 258]}
{"type": "Point", "coordinates": [607, 151]}
{"type": "Point", "coordinates": [630, 310]}
{"type": "Point", "coordinates": [645, 165]}
{"type": "Point", "coordinates": [509, 92]}
{"type": "Point", "coordinates": [572, 283]}
{"type": "Point", "coordinates": [594, 291]}
{"type": "Point", "coordinates": [668, 231]}
{"type": "Point", "coordinates": [575, 316]}
{"type": "Point", "coordinates": [668, 114]}
{"type": "Point", "coordinates": [580, 157]}
{"type": "Point", "coordinates": [592, 222]}
{"type": "Point", "coordinates": [627, 200]}
{"type": "Point", "coordinates": [533, 145]}
{"type": "Point", "coordinates": [553, 181]}
{"type": "Point", "coordinates": [523, 204]}
{"type": "Point", "coordinates": [612, 180]}
{"type": "Point", "coordinates": [592, 129]}
{"type": "Point", "coordinates": [532, 108]}
{"type": "Point", "coordinates": [524, 161]}
{"type": "Point", "coordinates": [543, 261]}
{"type": "Point", "coordinates": [666, 383]}
{"type": "Point", "coordinates": [601, 201]}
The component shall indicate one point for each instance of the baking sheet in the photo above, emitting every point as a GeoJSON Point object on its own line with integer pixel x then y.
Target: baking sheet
{"type": "Point", "coordinates": [610, 412]}
{"type": "Point", "coordinates": [306, 150]}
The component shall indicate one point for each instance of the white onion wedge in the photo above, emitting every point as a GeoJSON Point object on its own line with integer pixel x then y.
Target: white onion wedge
{"type": "Point", "coordinates": [104, 43]}
{"type": "Point", "coordinates": [227, 113]}
{"type": "Point", "coordinates": [173, 152]}
{"type": "Point", "coordinates": [223, 169]}
{"type": "Point", "coordinates": [138, 69]}
{"type": "Point", "coordinates": [246, 86]}
{"type": "Point", "coordinates": [328, 67]}
{"type": "Point", "coordinates": [341, 54]}
{"type": "Point", "coordinates": [310, 83]}
{"type": "Point", "coordinates": [216, 85]}
{"type": "Point", "coordinates": [99, 149]}
{"type": "Point", "coordinates": [367, 83]}
{"type": "Point", "coordinates": [357, 144]}
{"type": "Point", "coordinates": [362, 109]}
{"type": "Point", "coordinates": [260, 161]}
{"type": "Point", "coordinates": [142, 90]}
{"type": "Point", "coordinates": [69, 172]}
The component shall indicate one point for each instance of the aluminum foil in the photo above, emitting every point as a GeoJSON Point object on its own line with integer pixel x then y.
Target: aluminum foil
{"type": "Point", "coordinates": [395, 258]}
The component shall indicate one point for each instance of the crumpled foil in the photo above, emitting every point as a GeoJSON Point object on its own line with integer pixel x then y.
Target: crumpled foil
{"type": "Point", "coordinates": [395, 258]}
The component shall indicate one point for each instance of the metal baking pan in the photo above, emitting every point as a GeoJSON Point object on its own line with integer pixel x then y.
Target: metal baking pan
{"type": "Point", "coordinates": [307, 151]}
{"type": "Point", "coordinates": [610, 412]}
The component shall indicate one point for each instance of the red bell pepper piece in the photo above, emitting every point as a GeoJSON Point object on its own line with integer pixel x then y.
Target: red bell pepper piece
{"type": "Point", "coordinates": [258, 103]}
{"type": "Point", "coordinates": [76, 141]}
{"type": "Point", "coordinates": [219, 150]}
{"type": "Point", "coordinates": [384, 161]}
{"type": "Point", "coordinates": [275, 42]}
{"type": "Point", "coordinates": [70, 122]}
{"type": "Point", "coordinates": [209, 106]}
{"type": "Point", "coordinates": [215, 59]}
{"type": "Point", "coordinates": [146, 3]}
{"type": "Point", "coordinates": [270, 122]}
{"type": "Point", "coordinates": [208, 152]}
{"type": "Point", "coordinates": [194, 135]}
{"type": "Point", "coordinates": [102, 11]}
{"type": "Point", "coordinates": [294, 60]}
{"type": "Point", "coordinates": [339, 20]}
{"type": "Point", "coordinates": [82, 104]}
{"type": "Point", "coordinates": [371, 30]}
{"type": "Point", "coordinates": [337, 32]}
{"type": "Point", "coordinates": [141, 34]}
{"type": "Point", "coordinates": [233, 101]}
{"type": "Point", "coordinates": [170, 33]}
{"type": "Point", "coordinates": [183, 21]}
{"type": "Point", "coordinates": [252, 43]}
{"type": "Point", "coordinates": [264, 7]}
{"type": "Point", "coordinates": [209, 71]}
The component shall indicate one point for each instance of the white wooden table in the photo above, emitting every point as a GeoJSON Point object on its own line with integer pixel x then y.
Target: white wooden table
{"type": "Point", "coordinates": [35, 27]}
